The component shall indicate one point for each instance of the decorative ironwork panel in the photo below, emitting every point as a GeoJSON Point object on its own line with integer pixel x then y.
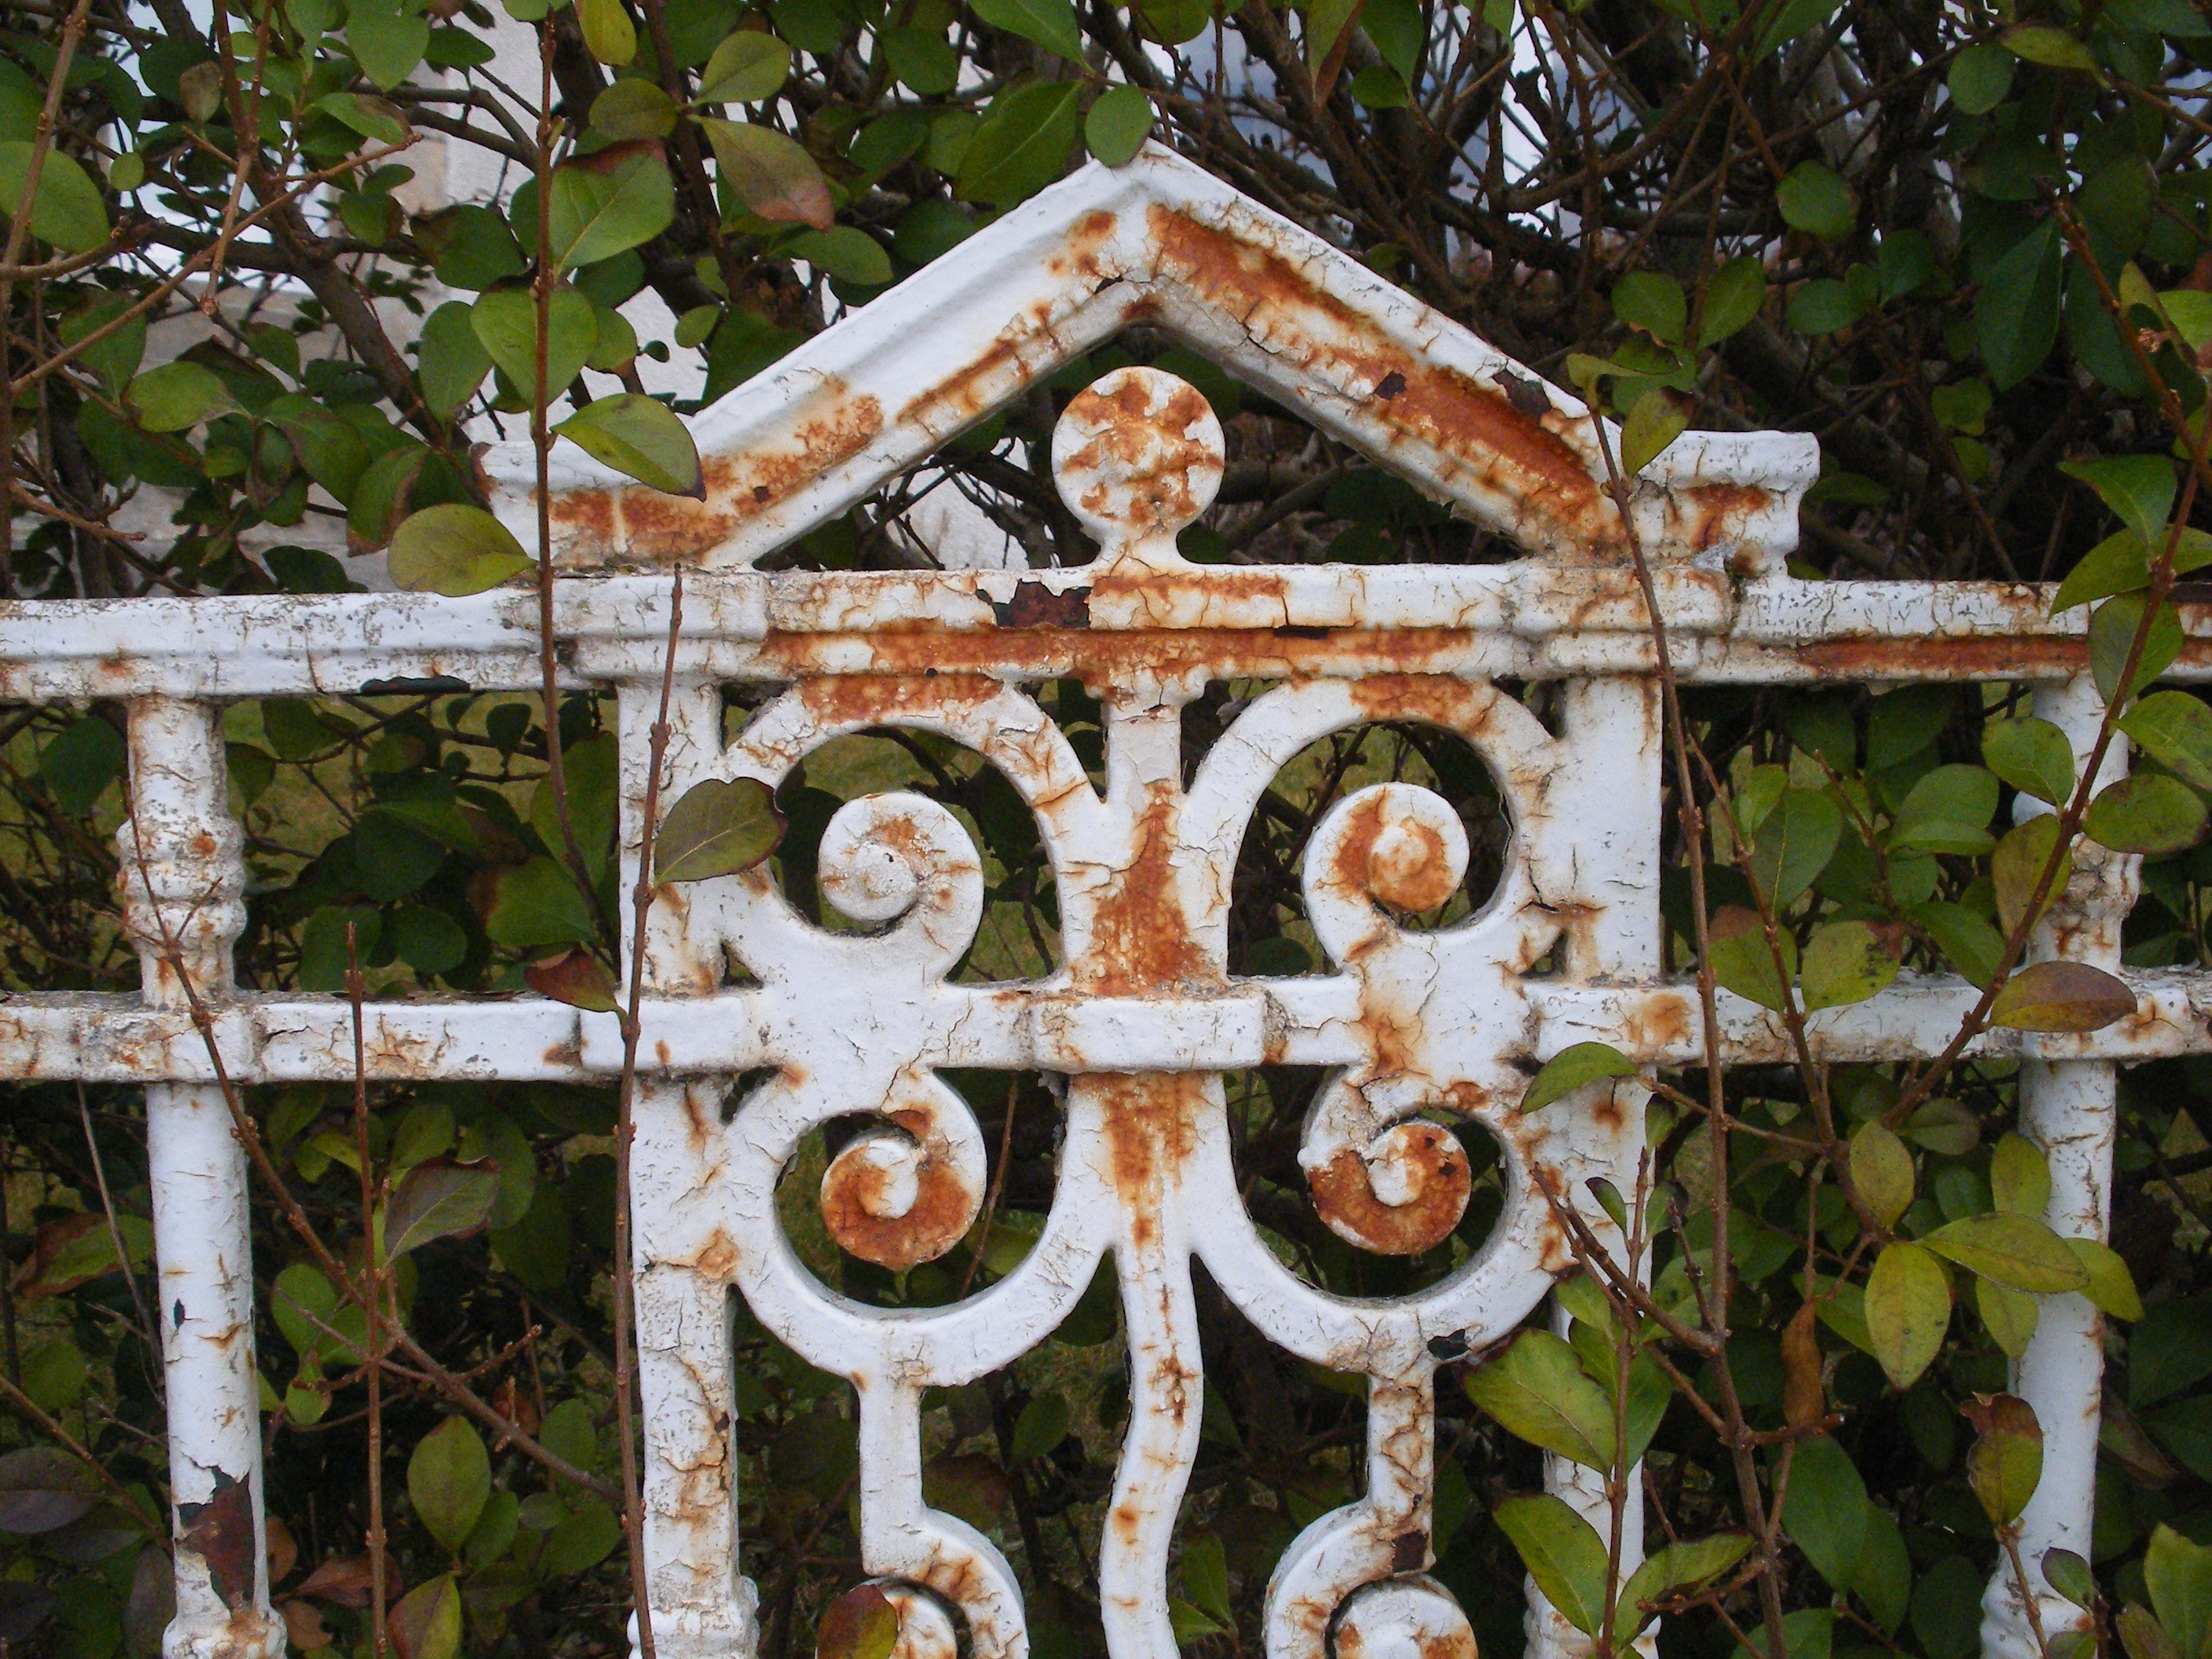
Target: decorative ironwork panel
{"type": "Point", "coordinates": [1143, 1015]}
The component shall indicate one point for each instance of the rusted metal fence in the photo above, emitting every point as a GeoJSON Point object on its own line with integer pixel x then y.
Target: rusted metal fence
{"type": "Point", "coordinates": [1143, 1017]}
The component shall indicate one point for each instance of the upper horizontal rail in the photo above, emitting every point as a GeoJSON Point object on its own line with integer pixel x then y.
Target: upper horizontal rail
{"type": "Point", "coordinates": [1523, 620]}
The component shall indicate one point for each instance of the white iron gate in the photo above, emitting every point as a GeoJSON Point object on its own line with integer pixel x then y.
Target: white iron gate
{"type": "Point", "coordinates": [1143, 1017]}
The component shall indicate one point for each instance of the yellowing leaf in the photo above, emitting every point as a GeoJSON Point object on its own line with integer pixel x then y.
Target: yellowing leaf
{"type": "Point", "coordinates": [641, 436]}
{"type": "Point", "coordinates": [2062, 996]}
{"type": "Point", "coordinates": [455, 548]}
{"type": "Point", "coordinates": [1908, 1307]}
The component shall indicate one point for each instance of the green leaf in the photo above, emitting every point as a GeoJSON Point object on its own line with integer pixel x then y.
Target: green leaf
{"type": "Point", "coordinates": [2017, 1251]}
{"type": "Point", "coordinates": [1970, 943]}
{"type": "Point", "coordinates": [1050, 23]}
{"type": "Point", "coordinates": [749, 67]}
{"type": "Point", "coordinates": [848, 253]}
{"type": "Point", "coordinates": [454, 550]}
{"type": "Point", "coordinates": [2018, 864]}
{"type": "Point", "coordinates": [2052, 48]}
{"type": "Point", "coordinates": [448, 1482]}
{"type": "Point", "coordinates": [1327, 23]}
{"type": "Point", "coordinates": [388, 39]}
{"type": "Point", "coordinates": [2112, 1287]}
{"type": "Point", "coordinates": [1732, 298]}
{"type": "Point", "coordinates": [639, 436]}
{"type": "Point", "coordinates": [1795, 843]}
{"type": "Point", "coordinates": [1042, 1425]}
{"type": "Point", "coordinates": [717, 828]}
{"type": "Point", "coordinates": [535, 904]}
{"type": "Point", "coordinates": [2139, 488]}
{"type": "Point", "coordinates": [925, 64]}
{"type": "Point", "coordinates": [1881, 1171]}
{"type": "Point", "coordinates": [772, 176]}
{"type": "Point", "coordinates": [1845, 961]}
{"type": "Point", "coordinates": [2147, 812]}
{"type": "Point", "coordinates": [452, 362]}
{"type": "Point", "coordinates": [1979, 78]}
{"type": "Point", "coordinates": [1826, 1509]}
{"type": "Point", "coordinates": [2010, 1316]}
{"type": "Point", "coordinates": [635, 108]}
{"type": "Point", "coordinates": [608, 201]}
{"type": "Point", "coordinates": [2174, 728]}
{"type": "Point", "coordinates": [1021, 144]}
{"type": "Point", "coordinates": [2069, 1574]}
{"type": "Point", "coordinates": [2142, 1635]}
{"type": "Point", "coordinates": [1673, 1569]}
{"type": "Point", "coordinates": [2035, 757]}
{"type": "Point", "coordinates": [1570, 1068]}
{"type": "Point", "coordinates": [1119, 121]}
{"type": "Point", "coordinates": [2062, 996]}
{"type": "Point", "coordinates": [1883, 1579]}
{"type": "Point", "coordinates": [590, 771]}
{"type": "Point", "coordinates": [438, 1198]}
{"type": "Point", "coordinates": [80, 763]}
{"type": "Point", "coordinates": [2118, 564]}
{"type": "Point", "coordinates": [609, 34]}
{"type": "Point", "coordinates": [2179, 1576]}
{"type": "Point", "coordinates": [426, 1622]}
{"type": "Point", "coordinates": [1653, 302]}
{"type": "Point", "coordinates": [1743, 963]}
{"type": "Point", "coordinates": [585, 1536]}
{"type": "Point", "coordinates": [178, 395]}
{"type": "Point", "coordinates": [1908, 1307]}
{"type": "Point", "coordinates": [1654, 422]}
{"type": "Point", "coordinates": [1538, 1391]}
{"type": "Point", "coordinates": [1812, 199]}
{"type": "Point", "coordinates": [2019, 1176]}
{"type": "Point", "coordinates": [506, 321]}
{"type": "Point", "coordinates": [2016, 316]}
{"type": "Point", "coordinates": [1563, 1553]}
{"type": "Point", "coordinates": [2112, 631]}
{"type": "Point", "coordinates": [1949, 811]}
{"type": "Point", "coordinates": [378, 119]}
{"type": "Point", "coordinates": [2006, 1463]}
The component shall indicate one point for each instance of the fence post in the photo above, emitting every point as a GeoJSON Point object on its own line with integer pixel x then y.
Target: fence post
{"type": "Point", "coordinates": [2068, 1107]}
{"type": "Point", "coordinates": [182, 878]}
{"type": "Point", "coordinates": [702, 1606]}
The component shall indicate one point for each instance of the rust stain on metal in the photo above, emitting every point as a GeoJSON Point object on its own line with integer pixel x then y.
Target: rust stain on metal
{"type": "Point", "coordinates": [1436, 1174]}
{"type": "Point", "coordinates": [1140, 937]}
{"type": "Point", "coordinates": [220, 1531]}
{"type": "Point", "coordinates": [1473, 425]}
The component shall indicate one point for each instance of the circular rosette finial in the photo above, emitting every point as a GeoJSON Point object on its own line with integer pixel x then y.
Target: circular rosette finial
{"type": "Point", "coordinates": [1394, 1188]}
{"type": "Point", "coordinates": [1394, 843]}
{"type": "Point", "coordinates": [1137, 456]}
{"type": "Point", "coordinates": [1408, 1618]}
{"type": "Point", "coordinates": [907, 1192]}
{"type": "Point", "coordinates": [903, 859]}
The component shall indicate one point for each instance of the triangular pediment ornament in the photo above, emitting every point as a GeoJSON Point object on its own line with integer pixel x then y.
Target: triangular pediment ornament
{"type": "Point", "coordinates": [1162, 242]}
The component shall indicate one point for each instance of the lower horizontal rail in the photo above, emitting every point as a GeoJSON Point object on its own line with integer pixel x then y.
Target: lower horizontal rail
{"type": "Point", "coordinates": [1310, 1021]}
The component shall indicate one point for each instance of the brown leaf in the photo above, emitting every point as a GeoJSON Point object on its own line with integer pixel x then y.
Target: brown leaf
{"type": "Point", "coordinates": [347, 1582]}
{"type": "Point", "coordinates": [283, 1550]}
{"type": "Point", "coordinates": [576, 977]}
{"type": "Point", "coordinates": [2062, 996]}
{"type": "Point", "coordinates": [1804, 1402]}
{"type": "Point", "coordinates": [220, 1533]}
{"type": "Point", "coordinates": [304, 1629]}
